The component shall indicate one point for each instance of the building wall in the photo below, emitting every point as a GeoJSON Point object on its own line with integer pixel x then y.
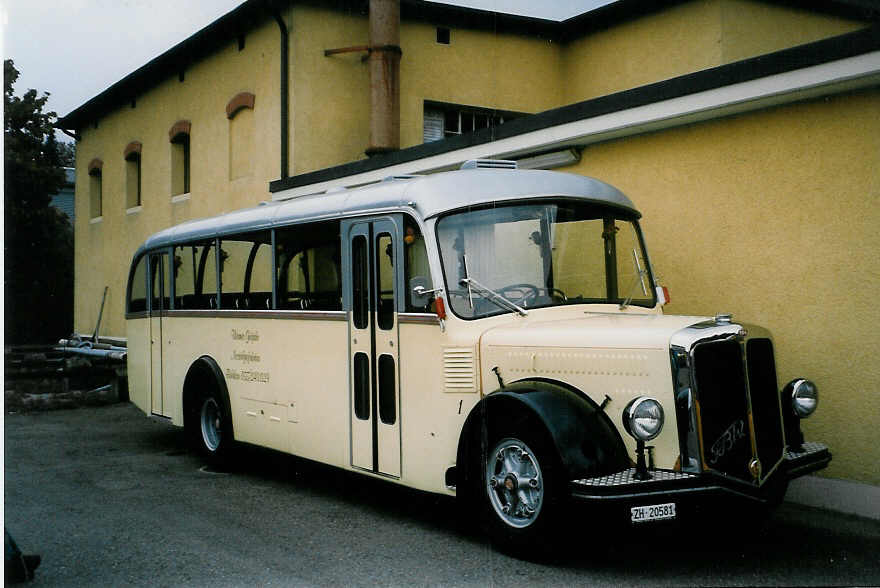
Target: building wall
{"type": "Point", "coordinates": [477, 68]}
{"type": "Point", "coordinates": [770, 216]}
{"type": "Point", "coordinates": [332, 94]}
{"type": "Point", "coordinates": [751, 28]}
{"type": "Point", "coordinates": [686, 38]}
{"type": "Point", "coordinates": [680, 40]}
{"type": "Point", "coordinates": [104, 248]}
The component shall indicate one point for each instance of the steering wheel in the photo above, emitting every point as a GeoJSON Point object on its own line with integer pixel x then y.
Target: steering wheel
{"type": "Point", "coordinates": [526, 292]}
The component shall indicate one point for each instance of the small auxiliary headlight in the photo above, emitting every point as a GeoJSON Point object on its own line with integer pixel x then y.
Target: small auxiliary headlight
{"type": "Point", "coordinates": [804, 398]}
{"type": "Point", "coordinates": [643, 418]}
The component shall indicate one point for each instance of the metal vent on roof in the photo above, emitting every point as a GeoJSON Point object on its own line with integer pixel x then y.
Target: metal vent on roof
{"type": "Point", "coordinates": [488, 164]}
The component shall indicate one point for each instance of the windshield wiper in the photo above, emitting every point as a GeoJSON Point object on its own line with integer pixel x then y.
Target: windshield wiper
{"type": "Point", "coordinates": [493, 296]}
{"type": "Point", "coordinates": [640, 279]}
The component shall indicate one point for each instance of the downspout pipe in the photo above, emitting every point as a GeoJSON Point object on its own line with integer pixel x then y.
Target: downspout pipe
{"type": "Point", "coordinates": [285, 92]}
{"type": "Point", "coordinates": [384, 60]}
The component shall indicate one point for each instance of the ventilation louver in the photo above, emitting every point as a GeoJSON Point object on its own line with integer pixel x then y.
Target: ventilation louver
{"type": "Point", "coordinates": [488, 164]}
{"type": "Point", "coordinates": [459, 371]}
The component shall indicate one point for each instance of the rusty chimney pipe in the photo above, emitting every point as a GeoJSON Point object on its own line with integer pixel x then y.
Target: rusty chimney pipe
{"type": "Point", "coordinates": [384, 58]}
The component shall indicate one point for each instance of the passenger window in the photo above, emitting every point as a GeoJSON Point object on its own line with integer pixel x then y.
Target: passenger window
{"type": "Point", "coordinates": [160, 282]}
{"type": "Point", "coordinates": [261, 269]}
{"type": "Point", "coordinates": [195, 282]}
{"type": "Point", "coordinates": [385, 282]}
{"type": "Point", "coordinates": [361, 386]}
{"type": "Point", "coordinates": [239, 267]}
{"type": "Point", "coordinates": [309, 273]}
{"type": "Point", "coordinates": [387, 398]}
{"type": "Point", "coordinates": [137, 301]}
{"type": "Point", "coordinates": [360, 271]}
{"type": "Point", "coordinates": [416, 270]}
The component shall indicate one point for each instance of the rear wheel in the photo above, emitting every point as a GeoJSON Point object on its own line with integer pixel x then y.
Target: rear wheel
{"type": "Point", "coordinates": [213, 436]}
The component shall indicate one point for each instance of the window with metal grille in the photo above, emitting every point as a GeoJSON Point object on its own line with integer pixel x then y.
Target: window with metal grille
{"type": "Point", "coordinates": [442, 120]}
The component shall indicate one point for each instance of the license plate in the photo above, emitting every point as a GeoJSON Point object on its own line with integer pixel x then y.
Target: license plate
{"type": "Point", "coordinates": [654, 512]}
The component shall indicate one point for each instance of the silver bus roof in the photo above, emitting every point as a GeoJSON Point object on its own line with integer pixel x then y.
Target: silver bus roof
{"type": "Point", "coordinates": [428, 196]}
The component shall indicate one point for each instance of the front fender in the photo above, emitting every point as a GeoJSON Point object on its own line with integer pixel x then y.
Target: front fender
{"type": "Point", "coordinates": [586, 441]}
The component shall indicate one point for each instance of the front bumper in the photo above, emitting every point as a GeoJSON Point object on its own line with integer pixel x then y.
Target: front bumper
{"type": "Point", "coordinates": [623, 490]}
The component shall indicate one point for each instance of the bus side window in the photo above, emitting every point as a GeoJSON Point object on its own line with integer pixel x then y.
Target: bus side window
{"type": "Point", "coordinates": [195, 277]}
{"type": "Point", "coordinates": [308, 272]}
{"type": "Point", "coordinates": [415, 265]}
{"type": "Point", "coordinates": [161, 281]}
{"type": "Point", "coordinates": [237, 268]}
{"type": "Point", "coordinates": [137, 301]}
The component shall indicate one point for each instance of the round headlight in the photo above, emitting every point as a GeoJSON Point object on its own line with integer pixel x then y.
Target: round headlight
{"type": "Point", "coordinates": [804, 398]}
{"type": "Point", "coordinates": [643, 418]}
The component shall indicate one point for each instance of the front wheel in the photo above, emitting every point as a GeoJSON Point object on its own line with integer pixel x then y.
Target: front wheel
{"type": "Point", "coordinates": [521, 493]}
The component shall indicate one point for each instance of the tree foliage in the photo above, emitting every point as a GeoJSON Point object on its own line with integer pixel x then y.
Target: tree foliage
{"type": "Point", "coordinates": [38, 244]}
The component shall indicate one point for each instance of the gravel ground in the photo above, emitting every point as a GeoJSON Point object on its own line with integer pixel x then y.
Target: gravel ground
{"type": "Point", "coordinates": [109, 497]}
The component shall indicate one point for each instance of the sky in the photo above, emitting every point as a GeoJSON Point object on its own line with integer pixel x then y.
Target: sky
{"type": "Point", "coordinates": [75, 49]}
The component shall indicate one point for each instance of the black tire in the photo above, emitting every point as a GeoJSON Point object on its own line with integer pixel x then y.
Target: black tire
{"type": "Point", "coordinates": [522, 493]}
{"type": "Point", "coordinates": [212, 428]}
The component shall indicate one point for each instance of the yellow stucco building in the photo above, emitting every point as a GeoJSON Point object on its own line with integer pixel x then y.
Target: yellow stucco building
{"type": "Point", "coordinates": [746, 131]}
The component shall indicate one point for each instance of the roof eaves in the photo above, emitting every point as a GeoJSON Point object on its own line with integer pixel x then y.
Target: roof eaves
{"type": "Point", "coordinates": [867, 10]}
{"type": "Point", "coordinates": [170, 63]}
{"type": "Point", "coordinates": [819, 52]}
{"type": "Point", "coordinates": [474, 18]}
{"type": "Point", "coordinates": [621, 11]}
{"type": "Point", "coordinates": [250, 13]}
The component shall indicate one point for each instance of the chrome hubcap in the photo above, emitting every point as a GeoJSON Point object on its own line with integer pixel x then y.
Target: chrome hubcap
{"type": "Point", "coordinates": [514, 483]}
{"type": "Point", "coordinates": [211, 424]}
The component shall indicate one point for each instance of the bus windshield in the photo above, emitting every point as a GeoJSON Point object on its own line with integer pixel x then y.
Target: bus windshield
{"type": "Point", "coordinates": [541, 254]}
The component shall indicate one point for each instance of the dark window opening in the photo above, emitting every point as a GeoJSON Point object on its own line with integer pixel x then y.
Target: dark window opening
{"type": "Point", "coordinates": [180, 164]}
{"type": "Point", "coordinates": [361, 375]}
{"type": "Point", "coordinates": [442, 120]}
{"type": "Point", "coordinates": [416, 271]}
{"type": "Point", "coordinates": [137, 287]}
{"type": "Point", "coordinates": [160, 280]}
{"type": "Point", "coordinates": [385, 281]}
{"type": "Point", "coordinates": [360, 293]}
{"type": "Point", "coordinates": [443, 35]}
{"type": "Point", "coordinates": [96, 203]}
{"type": "Point", "coordinates": [133, 180]}
{"type": "Point", "coordinates": [387, 400]}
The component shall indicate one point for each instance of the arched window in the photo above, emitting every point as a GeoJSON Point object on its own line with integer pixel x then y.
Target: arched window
{"type": "Point", "coordinates": [132, 156]}
{"type": "Point", "coordinates": [240, 112]}
{"type": "Point", "coordinates": [179, 135]}
{"type": "Point", "coordinates": [96, 167]}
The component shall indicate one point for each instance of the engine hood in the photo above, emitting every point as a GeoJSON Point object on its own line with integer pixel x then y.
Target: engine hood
{"type": "Point", "coordinates": [594, 330]}
{"type": "Point", "coordinates": [611, 358]}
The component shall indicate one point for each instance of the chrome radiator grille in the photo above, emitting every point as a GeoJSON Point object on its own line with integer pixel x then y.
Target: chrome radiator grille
{"type": "Point", "coordinates": [764, 394]}
{"type": "Point", "coordinates": [738, 407]}
{"type": "Point", "coordinates": [723, 415]}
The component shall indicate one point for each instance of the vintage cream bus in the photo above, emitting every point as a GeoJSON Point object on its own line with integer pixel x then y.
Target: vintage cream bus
{"type": "Point", "coordinates": [491, 333]}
